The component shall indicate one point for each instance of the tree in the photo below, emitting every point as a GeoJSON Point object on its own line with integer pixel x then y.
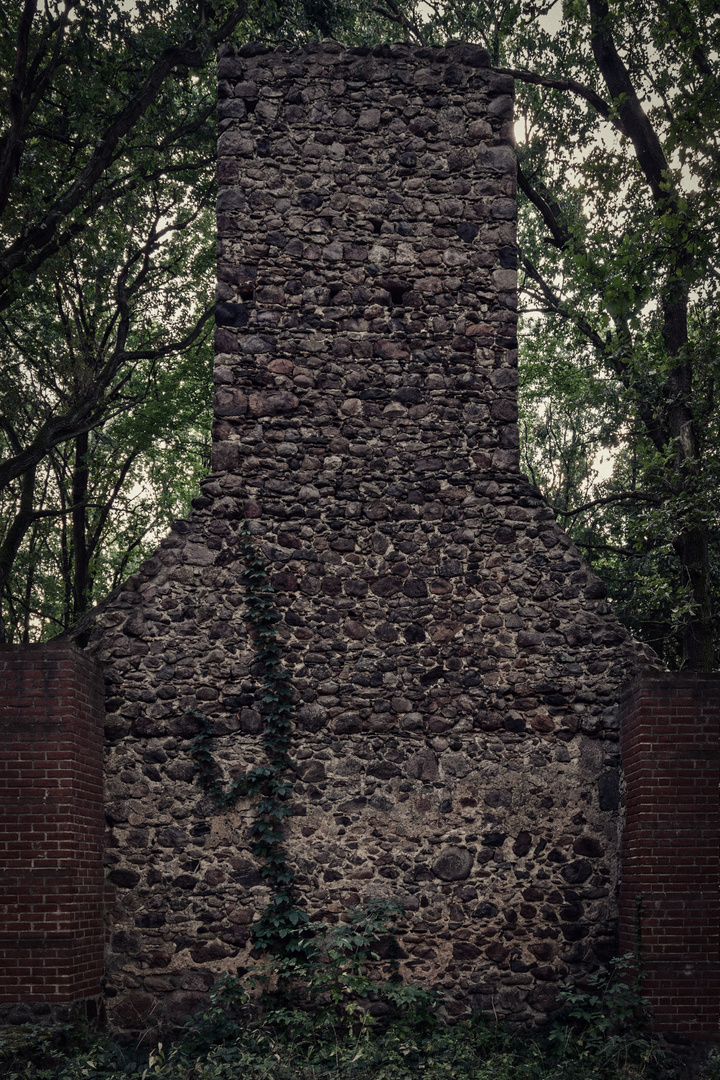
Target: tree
{"type": "Point", "coordinates": [582, 448]}
{"type": "Point", "coordinates": [106, 178]}
{"type": "Point", "coordinates": [137, 472]}
{"type": "Point", "coordinates": [617, 116]}
{"type": "Point", "coordinates": [617, 122]}
{"type": "Point", "coordinates": [628, 262]}
{"type": "Point", "coordinates": [106, 163]}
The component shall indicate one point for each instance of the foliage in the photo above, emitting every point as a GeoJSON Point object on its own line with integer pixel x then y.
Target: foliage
{"type": "Point", "coordinates": [282, 926]}
{"type": "Point", "coordinates": [625, 275]}
{"type": "Point", "coordinates": [582, 447]}
{"type": "Point", "coordinates": [133, 490]}
{"type": "Point", "coordinates": [617, 125]}
{"type": "Point", "coordinates": [605, 1016]}
{"type": "Point", "coordinates": [107, 154]}
{"type": "Point", "coordinates": [331, 1020]}
{"type": "Point", "coordinates": [106, 188]}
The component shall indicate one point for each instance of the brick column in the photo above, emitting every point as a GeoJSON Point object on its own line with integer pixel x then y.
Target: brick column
{"type": "Point", "coordinates": [51, 824]}
{"type": "Point", "coordinates": [671, 846]}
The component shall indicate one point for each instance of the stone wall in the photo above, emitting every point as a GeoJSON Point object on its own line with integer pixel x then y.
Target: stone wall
{"type": "Point", "coordinates": [454, 662]}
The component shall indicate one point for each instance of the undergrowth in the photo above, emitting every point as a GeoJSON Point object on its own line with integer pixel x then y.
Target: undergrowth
{"type": "Point", "coordinates": [339, 1014]}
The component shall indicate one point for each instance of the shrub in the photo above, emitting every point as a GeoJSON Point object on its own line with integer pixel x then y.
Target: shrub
{"type": "Point", "coordinates": [321, 1014]}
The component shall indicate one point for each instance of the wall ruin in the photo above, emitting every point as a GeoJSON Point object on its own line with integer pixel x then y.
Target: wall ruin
{"type": "Point", "coordinates": [454, 662]}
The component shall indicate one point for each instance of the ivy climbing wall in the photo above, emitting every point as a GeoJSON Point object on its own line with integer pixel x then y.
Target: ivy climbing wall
{"type": "Point", "coordinates": [369, 664]}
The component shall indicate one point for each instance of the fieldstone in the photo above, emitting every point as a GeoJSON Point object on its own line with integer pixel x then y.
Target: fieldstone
{"type": "Point", "coordinates": [369, 119]}
{"type": "Point", "coordinates": [609, 790]}
{"type": "Point", "coordinates": [497, 953]}
{"type": "Point", "coordinates": [456, 764]}
{"type": "Point", "coordinates": [132, 1011]}
{"type": "Point", "coordinates": [588, 846]}
{"type": "Point", "coordinates": [124, 879]}
{"type": "Point", "coordinates": [522, 844]}
{"type": "Point", "coordinates": [182, 1005]}
{"type": "Point", "coordinates": [272, 404]}
{"type": "Point", "coordinates": [464, 950]}
{"type": "Point", "coordinates": [576, 872]}
{"type": "Point", "coordinates": [422, 766]}
{"type": "Point", "coordinates": [543, 999]}
{"type": "Point", "coordinates": [453, 864]}
{"type": "Point", "coordinates": [312, 771]}
{"type": "Point", "coordinates": [485, 910]}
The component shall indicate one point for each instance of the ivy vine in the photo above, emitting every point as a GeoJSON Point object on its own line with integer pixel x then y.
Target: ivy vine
{"type": "Point", "coordinates": [280, 926]}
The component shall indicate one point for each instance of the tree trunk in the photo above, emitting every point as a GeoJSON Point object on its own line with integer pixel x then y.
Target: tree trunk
{"type": "Point", "coordinates": [13, 539]}
{"type": "Point", "coordinates": [691, 544]}
{"type": "Point", "coordinates": [80, 562]}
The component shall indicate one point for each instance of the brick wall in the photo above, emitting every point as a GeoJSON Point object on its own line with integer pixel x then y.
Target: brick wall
{"type": "Point", "coordinates": [51, 824]}
{"type": "Point", "coordinates": [671, 845]}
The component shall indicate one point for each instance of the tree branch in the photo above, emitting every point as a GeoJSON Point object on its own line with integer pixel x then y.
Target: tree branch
{"type": "Point", "coordinates": [12, 149]}
{"type": "Point", "coordinates": [627, 552]}
{"type": "Point", "coordinates": [607, 500]}
{"type": "Point", "coordinates": [613, 357]}
{"type": "Point", "coordinates": [397, 16]}
{"type": "Point", "coordinates": [559, 308]}
{"type": "Point", "coordinates": [637, 127]}
{"type": "Point", "coordinates": [571, 86]}
{"type": "Point", "coordinates": [91, 407]}
{"type": "Point", "coordinates": [31, 249]}
{"type": "Point", "coordinates": [550, 213]}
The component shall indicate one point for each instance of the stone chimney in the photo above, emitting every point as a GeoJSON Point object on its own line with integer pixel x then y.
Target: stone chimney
{"type": "Point", "coordinates": [454, 664]}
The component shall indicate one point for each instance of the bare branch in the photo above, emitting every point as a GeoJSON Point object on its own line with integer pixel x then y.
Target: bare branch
{"type": "Point", "coordinates": [395, 15]}
{"type": "Point", "coordinates": [550, 212]}
{"type": "Point", "coordinates": [558, 308]}
{"type": "Point", "coordinates": [569, 86]}
{"type": "Point", "coordinates": [625, 496]}
{"type": "Point", "coordinates": [31, 249]}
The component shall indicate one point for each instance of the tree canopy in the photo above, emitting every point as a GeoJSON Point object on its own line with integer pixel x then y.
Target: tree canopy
{"type": "Point", "coordinates": [105, 184]}
{"type": "Point", "coordinates": [617, 126]}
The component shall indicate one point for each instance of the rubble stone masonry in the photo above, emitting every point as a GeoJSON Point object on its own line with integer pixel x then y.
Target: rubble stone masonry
{"type": "Point", "coordinates": [455, 664]}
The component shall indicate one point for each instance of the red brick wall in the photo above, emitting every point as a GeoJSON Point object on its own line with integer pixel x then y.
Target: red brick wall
{"type": "Point", "coordinates": [671, 845]}
{"type": "Point", "coordinates": [51, 824]}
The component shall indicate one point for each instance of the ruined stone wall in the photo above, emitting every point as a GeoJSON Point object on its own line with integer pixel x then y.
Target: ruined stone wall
{"type": "Point", "coordinates": [454, 663]}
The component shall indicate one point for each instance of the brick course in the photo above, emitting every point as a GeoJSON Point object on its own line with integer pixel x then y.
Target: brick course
{"type": "Point", "coordinates": [670, 858]}
{"type": "Point", "coordinates": [51, 825]}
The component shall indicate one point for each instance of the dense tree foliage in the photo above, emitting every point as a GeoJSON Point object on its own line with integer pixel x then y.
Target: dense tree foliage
{"type": "Point", "coordinates": [617, 127]}
{"type": "Point", "coordinates": [618, 120]}
{"type": "Point", "coordinates": [105, 182]}
{"type": "Point", "coordinates": [107, 161]}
